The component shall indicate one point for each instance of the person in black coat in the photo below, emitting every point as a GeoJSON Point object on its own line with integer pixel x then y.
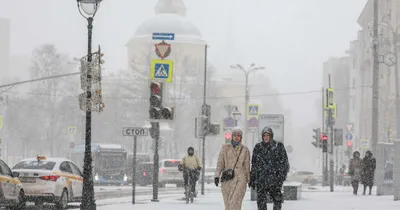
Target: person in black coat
{"type": "Point", "coordinates": [368, 171]}
{"type": "Point", "coordinates": [269, 169]}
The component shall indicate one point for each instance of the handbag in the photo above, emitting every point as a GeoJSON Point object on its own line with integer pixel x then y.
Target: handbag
{"type": "Point", "coordinates": [228, 174]}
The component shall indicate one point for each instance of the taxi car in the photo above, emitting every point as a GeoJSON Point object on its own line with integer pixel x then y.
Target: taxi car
{"type": "Point", "coordinates": [50, 180]}
{"type": "Point", "coordinates": [11, 191]}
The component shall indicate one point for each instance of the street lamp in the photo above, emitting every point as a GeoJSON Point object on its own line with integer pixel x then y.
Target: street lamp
{"type": "Point", "coordinates": [253, 68]}
{"type": "Point", "coordinates": [88, 9]}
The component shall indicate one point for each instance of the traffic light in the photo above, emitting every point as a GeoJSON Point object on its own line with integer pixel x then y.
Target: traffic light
{"type": "Point", "coordinates": [324, 139]}
{"type": "Point", "coordinates": [157, 111]}
{"type": "Point", "coordinates": [349, 148]}
{"type": "Point", "coordinates": [317, 138]}
{"type": "Point", "coordinates": [228, 137]}
{"type": "Point", "coordinates": [155, 100]}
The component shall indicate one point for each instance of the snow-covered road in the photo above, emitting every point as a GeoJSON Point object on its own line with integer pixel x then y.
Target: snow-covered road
{"type": "Point", "coordinates": [317, 199]}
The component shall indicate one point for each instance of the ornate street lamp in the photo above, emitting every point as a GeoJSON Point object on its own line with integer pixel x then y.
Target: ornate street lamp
{"type": "Point", "coordinates": [88, 9]}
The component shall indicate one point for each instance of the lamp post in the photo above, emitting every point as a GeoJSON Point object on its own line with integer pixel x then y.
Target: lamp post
{"type": "Point", "coordinates": [247, 72]}
{"type": "Point", "coordinates": [88, 9]}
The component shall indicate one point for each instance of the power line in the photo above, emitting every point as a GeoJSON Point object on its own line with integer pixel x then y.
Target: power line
{"type": "Point", "coordinates": [201, 98]}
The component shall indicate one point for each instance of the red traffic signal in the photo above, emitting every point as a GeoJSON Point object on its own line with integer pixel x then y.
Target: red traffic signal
{"type": "Point", "coordinates": [349, 143]}
{"type": "Point", "coordinates": [324, 137]}
{"type": "Point", "coordinates": [227, 135]}
{"type": "Point", "coordinates": [155, 87]}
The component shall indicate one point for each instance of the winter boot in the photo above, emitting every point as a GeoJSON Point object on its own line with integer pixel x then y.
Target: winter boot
{"type": "Point", "coordinates": [277, 206]}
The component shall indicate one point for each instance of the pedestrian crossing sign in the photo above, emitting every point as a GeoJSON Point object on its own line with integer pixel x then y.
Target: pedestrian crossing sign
{"type": "Point", "coordinates": [253, 110]}
{"type": "Point", "coordinates": [162, 70]}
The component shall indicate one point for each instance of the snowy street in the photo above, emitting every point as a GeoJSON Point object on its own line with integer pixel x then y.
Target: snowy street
{"type": "Point", "coordinates": [341, 199]}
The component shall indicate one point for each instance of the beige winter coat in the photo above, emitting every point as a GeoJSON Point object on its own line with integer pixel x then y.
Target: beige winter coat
{"type": "Point", "coordinates": [233, 191]}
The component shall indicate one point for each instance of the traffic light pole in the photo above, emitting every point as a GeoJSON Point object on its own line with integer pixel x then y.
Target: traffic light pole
{"type": "Point", "coordinates": [155, 126]}
{"type": "Point", "coordinates": [204, 112]}
{"type": "Point", "coordinates": [323, 130]}
{"type": "Point", "coordinates": [331, 164]}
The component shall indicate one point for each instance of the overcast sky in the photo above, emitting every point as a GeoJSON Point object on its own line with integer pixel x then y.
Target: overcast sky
{"type": "Point", "coordinates": [291, 38]}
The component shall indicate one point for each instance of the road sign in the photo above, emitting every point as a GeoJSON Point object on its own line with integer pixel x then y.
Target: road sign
{"type": "Point", "coordinates": [274, 121]}
{"type": "Point", "coordinates": [1, 122]}
{"type": "Point", "coordinates": [71, 130]}
{"type": "Point", "coordinates": [135, 131]}
{"type": "Point", "coordinates": [364, 144]}
{"type": "Point", "coordinates": [162, 70]}
{"type": "Point", "coordinates": [229, 108]}
{"type": "Point", "coordinates": [253, 122]}
{"type": "Point", "coordinates": [253, 110]}
{"type": "Point", "coordinates": [163, 36]}
{"type": "Point", "coordinates": [349, 136]}
{"type": "Point", "coordinates": [229, 122]}
{"type": "Point", "coordinates": [349, 127]}
{"type": "Point", "coordinates": [163, 49]}
{"type": "Point", "coordinates": [330, 98]}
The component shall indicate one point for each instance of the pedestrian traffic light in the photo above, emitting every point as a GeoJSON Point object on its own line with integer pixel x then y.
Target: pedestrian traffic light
{"type": "Point", "coordinates": [317, 138]}
{"type": "Point", "coordinates": [228, 137]}
{"type": "Point", "coordinates": [349, 143]}
{"type": "Point", "coordinates": [324, 139]}
{"type": "Point", "coordinates": [155, 100]}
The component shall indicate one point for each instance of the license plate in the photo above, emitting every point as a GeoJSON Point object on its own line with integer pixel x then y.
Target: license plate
{"type": "Point", "coordinates": [27, 179]}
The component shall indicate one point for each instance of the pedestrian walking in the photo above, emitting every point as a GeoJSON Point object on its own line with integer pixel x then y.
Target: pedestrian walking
{"type": "Point", "coordinates": [269, 168]}
{"type": "Point", "coordinates": [233, 171]}
{"type": "Point", "coordinates": [355, 167]}
{"type": "Point", "coordinates": [368, 171]}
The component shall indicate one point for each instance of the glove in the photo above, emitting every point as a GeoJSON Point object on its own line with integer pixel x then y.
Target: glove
{"type": "Point", "coordinates": [199, 168]}
{"type": "Point", "coordinates": [216, 181]}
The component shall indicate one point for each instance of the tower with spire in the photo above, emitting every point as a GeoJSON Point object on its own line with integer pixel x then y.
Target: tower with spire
{"type": "Point", "coordinates": [171, 7]}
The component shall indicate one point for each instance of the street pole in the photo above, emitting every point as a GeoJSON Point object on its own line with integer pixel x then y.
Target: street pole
{"type": "Point", "coordinates": [323, 130]}
{"type": "Point", "coordinates": [88, 202]}
{"type": "Point", "coordinates": [155, 126]}
{"type": "Point", "coordinates": [246, 103]}
{"type": "Point", "coordinates": [396, 75]}
{"type": "Point", "coordinates": [134, 169]}
{"type": "Point", "coordinates": [375, 82]}
{"type": "Point", "coordinates": [331, 178]}
{"type": "Point", "coordinates": [204, 112]}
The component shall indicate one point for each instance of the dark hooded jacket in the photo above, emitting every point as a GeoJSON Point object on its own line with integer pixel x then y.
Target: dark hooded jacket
{"type": "Point", "coordinates": [368, 169]}
{"type": "Point", "coordinates": [270, 163]}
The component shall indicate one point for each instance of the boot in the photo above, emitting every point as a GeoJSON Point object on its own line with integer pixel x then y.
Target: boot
{"type": "Point", "coordinates": [277, 206]}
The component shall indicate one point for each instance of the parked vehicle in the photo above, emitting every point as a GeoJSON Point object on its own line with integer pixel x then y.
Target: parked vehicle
{"type": "Point", "coordinates": [169, 173]}
{"type": "Point", "coordinates": [305, 177]}
{"type": "Point", "coordinates": [12, 194]}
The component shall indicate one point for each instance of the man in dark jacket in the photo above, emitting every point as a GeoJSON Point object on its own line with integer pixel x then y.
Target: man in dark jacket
{"type": "Point", "coordinates": [368, 171]}
{"type": "Point", "coordinates": [269, 169]}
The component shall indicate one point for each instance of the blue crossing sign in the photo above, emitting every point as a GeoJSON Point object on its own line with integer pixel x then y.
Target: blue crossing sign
{"type": "Point", "coordinates": [349, 136]}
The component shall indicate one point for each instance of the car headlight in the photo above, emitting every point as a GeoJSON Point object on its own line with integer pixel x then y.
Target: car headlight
{"type": "Point", "coordinates": [96, 177]}
{"type": "Point", "coordinates": [125, 177]}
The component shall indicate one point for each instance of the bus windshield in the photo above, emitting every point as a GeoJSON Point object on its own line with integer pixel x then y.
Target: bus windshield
{"type": "Point", "coordinates": [111, 160]}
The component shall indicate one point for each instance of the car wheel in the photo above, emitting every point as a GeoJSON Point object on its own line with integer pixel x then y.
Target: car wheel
{"type": "Point", "coordinates": [20, 203]}
{"type": "Point", "coordinates": [63, 202]}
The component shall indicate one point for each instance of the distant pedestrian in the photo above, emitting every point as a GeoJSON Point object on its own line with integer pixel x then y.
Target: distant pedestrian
{"type": "Point", "coordinates": [233, 171]}
{"type": "Point", "coordinates": [269, 169]}
{"type": "Point", "coordinates": [368, 171]}
{"type": "Point", "coordinates": [355, 167]}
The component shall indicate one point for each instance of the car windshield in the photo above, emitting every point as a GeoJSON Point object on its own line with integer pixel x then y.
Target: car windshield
{"type": "Point", "coordinates": [34, 164]}
{"type": "Point", "coordinates": [171, 163]}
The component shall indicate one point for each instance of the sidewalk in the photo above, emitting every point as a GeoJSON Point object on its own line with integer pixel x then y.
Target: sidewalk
{"type": "Point", "coordinates": [310, 201]}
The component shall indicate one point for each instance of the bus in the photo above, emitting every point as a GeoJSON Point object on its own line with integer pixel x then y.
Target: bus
{"type": "Point", "coordinates": [109, 163]}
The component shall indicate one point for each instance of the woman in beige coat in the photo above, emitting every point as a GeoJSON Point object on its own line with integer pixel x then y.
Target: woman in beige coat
{"type": "Point", "coordinates": [233, 190]}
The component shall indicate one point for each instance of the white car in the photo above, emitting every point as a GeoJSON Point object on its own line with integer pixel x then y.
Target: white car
{"type": "Point", "coordinates": [11, 191]}
{"type": "Point", "coordinates": [305, 177]}
{"type": "Point", "coordinates": [50, 180]}
{"type": "Point", "coordinates": [169, 173]}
